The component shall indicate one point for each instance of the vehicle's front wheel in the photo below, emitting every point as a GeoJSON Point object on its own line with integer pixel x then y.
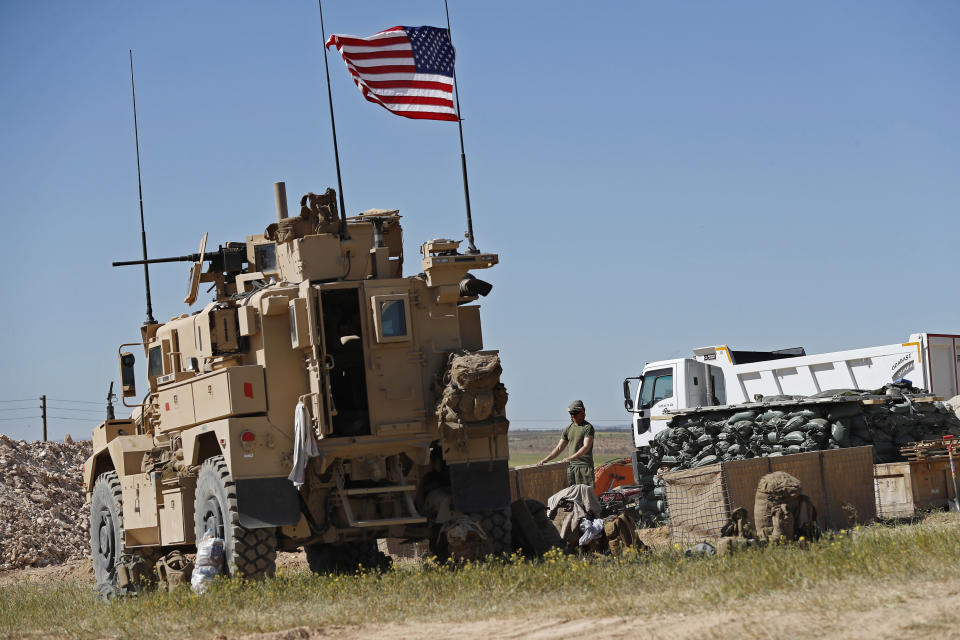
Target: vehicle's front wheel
{"type": "Point", "coordinates": [106, 541]}
{"type": "Point", "coordinates": [247, 552]}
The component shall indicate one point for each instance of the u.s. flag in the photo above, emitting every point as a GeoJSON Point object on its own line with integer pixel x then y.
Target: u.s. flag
{"type": "Point", "coordinates": [406, 70]}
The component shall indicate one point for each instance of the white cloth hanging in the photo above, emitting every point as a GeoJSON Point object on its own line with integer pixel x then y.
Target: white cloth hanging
{"type": "Point", "coordinates": [304, 444]}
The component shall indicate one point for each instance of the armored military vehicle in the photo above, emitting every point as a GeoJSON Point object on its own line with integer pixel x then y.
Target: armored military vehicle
{"type": "Point", "coordinates": [320, 401]}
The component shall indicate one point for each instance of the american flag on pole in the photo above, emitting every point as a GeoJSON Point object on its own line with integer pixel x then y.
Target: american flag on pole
{"type": "Point", "coordinates": [406, 70]}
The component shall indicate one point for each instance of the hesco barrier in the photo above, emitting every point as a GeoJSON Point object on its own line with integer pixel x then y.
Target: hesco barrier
{"type": "Point", "coordinates": [839, 483]}
{"type": "Point", "coordinates": [538, 483]}
{"type": "Point", "coordinates": [774, 428]}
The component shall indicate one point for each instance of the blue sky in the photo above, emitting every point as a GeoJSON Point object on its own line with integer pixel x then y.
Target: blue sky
{"type": "Point", "coordinates": [654, 176]}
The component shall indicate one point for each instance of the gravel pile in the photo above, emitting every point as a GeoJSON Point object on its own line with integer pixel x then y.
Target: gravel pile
{"type": "Point", "coordinates": [43, 518]}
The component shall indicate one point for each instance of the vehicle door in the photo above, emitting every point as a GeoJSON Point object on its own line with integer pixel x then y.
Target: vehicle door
{"type": "Point", "coordinates": [395, 373]}
{"type": "Point", "coordinates": [654, 398]}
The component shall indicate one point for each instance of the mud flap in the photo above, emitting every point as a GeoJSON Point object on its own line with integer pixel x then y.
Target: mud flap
{"type": "Point", "coordinates": [267, 502]}
{"type": "Point", "coordinates": [480, 486]}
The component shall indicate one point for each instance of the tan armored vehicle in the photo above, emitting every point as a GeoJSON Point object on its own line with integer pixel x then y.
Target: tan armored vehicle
{"type": "Point", "coordinates": [321, 401]}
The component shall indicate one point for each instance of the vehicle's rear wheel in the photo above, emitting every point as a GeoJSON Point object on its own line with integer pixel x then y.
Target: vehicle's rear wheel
{"type": "Point", "coordinates": [106, 540]}
{"type": "Point", "coordinates": [347, 557]}
{"type": "Point", "coordinates": [247, 552]}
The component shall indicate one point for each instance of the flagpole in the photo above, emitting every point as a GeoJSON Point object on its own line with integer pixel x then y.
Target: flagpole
{"type": "Point", "coordinates": [333, 126]}
{"type": "Point", "coordinates": [463, 156]}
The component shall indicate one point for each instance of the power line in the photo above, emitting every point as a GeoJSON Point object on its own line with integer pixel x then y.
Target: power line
{"type": "Point", "coordinates": [34, 408]}
{"type": "Point", "coordinates": [88, 420]}
{"type": "Point", "coordinates": [21, 400]}
{"type": "Point", "coordinates": [73, 409]}
{"type": "Point", "coordinates": [80, 401]}
{"type": "Point", "coordinates": [21, 418]}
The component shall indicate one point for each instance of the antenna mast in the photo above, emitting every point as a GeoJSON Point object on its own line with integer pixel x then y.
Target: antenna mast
{"type": "Point", "coordinates": [333, 126]}
{"type": "Point", "coordinates": [143, 233]}
{"type": "Point", "coordinates": [472, 248]}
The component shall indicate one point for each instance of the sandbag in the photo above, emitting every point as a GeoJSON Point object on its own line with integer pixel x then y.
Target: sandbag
{"type": "Point", "coordinates": [742, 415]}
{"type": "Point", "coordinates": [845, 410]}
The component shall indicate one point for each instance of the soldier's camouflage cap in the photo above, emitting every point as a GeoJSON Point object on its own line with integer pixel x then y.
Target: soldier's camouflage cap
{"type": "Point", "coordinates": [576, 406]}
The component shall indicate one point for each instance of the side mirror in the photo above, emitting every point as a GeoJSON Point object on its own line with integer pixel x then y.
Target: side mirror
{"type": "Point", "coordinates": [627, 400]}
{"type": "Point", "coordinates": [127, 378]}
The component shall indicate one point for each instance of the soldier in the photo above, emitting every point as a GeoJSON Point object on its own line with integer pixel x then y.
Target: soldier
{"type": "Point", "coordinates": [580, 433]}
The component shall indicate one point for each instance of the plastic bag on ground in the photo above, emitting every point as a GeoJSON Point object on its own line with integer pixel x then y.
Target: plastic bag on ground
{"type": "Point", "coordinates": [592, 529]}
{"type": "Point", "coordinates": [208, 563]}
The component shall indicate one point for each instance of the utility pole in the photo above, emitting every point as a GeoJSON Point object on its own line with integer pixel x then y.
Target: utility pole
{"type": "Point", "coordinates": [43, 414]}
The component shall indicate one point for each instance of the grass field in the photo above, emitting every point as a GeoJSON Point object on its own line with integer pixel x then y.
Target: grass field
{"type": "Point", "coordinates": [529, 447]}
{"type": "Point", "coordinates": [901, 580]}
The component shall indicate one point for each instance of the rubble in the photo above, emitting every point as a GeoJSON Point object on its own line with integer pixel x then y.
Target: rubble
{"type": "Point", "coordinates": [43, 518]}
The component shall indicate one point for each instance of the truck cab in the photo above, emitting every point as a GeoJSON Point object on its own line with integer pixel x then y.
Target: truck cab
{"type": "Point", "coordinates": [668, 386]}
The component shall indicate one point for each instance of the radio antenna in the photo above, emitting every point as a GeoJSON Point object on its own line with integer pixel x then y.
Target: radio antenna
{"type": "Point", "coordinates": [333, 126]}
{"type": "Point", "coordinates": [143, 232]}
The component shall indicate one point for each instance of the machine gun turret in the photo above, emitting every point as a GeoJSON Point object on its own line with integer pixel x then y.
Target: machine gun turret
{"type": "Point", "coordinates": [228, 259]}
{"type": "Point", "coordinates": [226, 263]}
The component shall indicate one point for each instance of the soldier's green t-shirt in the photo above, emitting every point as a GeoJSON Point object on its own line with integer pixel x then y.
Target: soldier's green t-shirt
{"type": "Point", "coordinates": [575, 435]}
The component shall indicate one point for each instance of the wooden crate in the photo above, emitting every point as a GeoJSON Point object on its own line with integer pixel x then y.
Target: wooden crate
{"type": "Point", "coordinates": [904, 488]}
{"type": "Point", "coordinates": [536, 482]}
{"type": "Point", "coordinates": [839, 483]}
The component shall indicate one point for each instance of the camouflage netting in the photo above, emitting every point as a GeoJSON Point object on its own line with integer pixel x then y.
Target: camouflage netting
{"type": "Point", "coordinates": [472, 391]}
{"type": "Point", "coordinates": [787, 425]}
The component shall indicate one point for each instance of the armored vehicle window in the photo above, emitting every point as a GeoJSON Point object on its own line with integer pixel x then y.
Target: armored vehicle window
{"type": "Point", "coordinates": [393, 319]}
{"type": "Point", "coordinates": [657, 385]}
{"type": "Point", "coordinates": [391, 316]}
{"type": "Point", "coordinates": [155, 362]}
{"type": "Point", "coordinates": [266, 257]}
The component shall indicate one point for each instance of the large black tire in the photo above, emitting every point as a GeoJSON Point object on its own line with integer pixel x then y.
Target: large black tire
{"type": "Point", "coordinates": [106, 536]}
{"type": "Point", "coordinates": [348, 557]}
{"type": "Point", "coordinates": [499, 527]}
{"type": "Point", "coordinates": [247, 552]}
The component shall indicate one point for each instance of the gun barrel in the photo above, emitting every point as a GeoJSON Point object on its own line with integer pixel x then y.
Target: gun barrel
{"type": "Point", "coordinates": [193, 257]}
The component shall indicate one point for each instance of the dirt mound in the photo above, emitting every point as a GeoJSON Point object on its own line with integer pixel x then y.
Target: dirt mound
{"type": "Point", "coordinates": [44, 519]}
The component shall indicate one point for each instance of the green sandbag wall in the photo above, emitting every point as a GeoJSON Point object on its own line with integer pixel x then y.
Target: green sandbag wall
{"type": "Point", "coordinates": [776, 429]}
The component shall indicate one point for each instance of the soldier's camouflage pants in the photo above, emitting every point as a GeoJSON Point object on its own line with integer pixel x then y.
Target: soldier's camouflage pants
{"type": "Point", "coordinates": [579, 473]}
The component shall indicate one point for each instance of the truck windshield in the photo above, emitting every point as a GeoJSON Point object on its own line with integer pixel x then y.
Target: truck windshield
{"type": "Point", "coordinates": [657, 385]}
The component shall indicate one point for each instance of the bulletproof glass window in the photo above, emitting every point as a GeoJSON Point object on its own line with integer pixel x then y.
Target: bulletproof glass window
{"type": "Point", "coordinates": [657, 385]}
{"type": "Point", "coordinates": [155, 362]}
{"type": "Point", "coordinates": [393, 319]}
{"type": "Point", "coordinates": [265, 256]}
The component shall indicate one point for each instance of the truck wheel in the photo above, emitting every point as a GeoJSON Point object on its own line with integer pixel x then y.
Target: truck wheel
{"type": "Point", "coordinates": [347, 557]}
{"type": "Point", "coordinates": [247, 552]}
{"type": "Point", "coordinates": [498, 526]}
{"type": "Point", "coordinates": [106, 536]}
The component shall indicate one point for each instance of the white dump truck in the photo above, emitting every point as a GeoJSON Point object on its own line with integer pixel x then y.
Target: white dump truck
{"type": "Point", "coordinates": [927, 360]}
